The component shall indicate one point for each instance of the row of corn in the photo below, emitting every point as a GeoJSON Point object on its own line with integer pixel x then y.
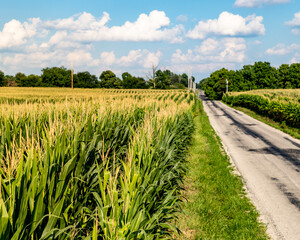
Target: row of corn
{"type": "Point", "coordinates": [283, 112]}
{"type": "Point", "coordinates": [92, 169]}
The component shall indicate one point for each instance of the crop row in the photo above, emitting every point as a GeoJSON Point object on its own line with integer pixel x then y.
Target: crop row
{"type": "Point", "coordinates": [288, 113]}
{"type": "Point", "coordinates": [80, 171]}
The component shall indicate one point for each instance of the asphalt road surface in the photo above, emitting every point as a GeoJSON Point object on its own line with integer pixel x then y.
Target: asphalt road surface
{"type": "Point", "coordinates": [268, 161]}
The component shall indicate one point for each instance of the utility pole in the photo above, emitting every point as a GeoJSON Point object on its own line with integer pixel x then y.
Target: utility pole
{"type": "Point", "coordinates": [226, 86]}
{"type": "Point", "coordinates": [72, 76]}
{"type": "Point", "coordinates": [189, 84]}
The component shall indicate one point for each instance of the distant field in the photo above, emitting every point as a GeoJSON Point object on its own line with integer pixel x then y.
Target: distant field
{"type": "Point", "coordinates": [282, 95]}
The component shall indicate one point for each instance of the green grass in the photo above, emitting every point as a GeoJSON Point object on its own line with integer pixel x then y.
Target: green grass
{"type": "Point", "coordinates": [217, 206]}
{"type": "Point", "coordinates": [294, 132]}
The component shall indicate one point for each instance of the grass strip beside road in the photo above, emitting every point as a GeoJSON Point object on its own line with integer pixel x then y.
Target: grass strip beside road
{"type": "Point", "coordinates": [217, 206]}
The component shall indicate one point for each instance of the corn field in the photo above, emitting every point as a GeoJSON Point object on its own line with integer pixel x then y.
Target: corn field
{"type": "Point", "coordinates": [92, 164]}
{"type": "Point", "coordinates": [279, 105]}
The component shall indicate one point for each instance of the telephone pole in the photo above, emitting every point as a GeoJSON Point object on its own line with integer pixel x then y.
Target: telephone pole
{"type": "Point", "coordinates": [226, 86]}
{"type": "Point", "coordinates": [72, 76]}
{"type": "Point", "coordinates": [189, 84]}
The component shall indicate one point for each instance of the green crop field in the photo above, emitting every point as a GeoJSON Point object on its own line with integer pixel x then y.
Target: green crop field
{"type": "Point", "coordinates": [281, 95]}
{"type": "Point", "coordinates": [92, 164]}
{"type": "Point", "coordinates": [280, 105]}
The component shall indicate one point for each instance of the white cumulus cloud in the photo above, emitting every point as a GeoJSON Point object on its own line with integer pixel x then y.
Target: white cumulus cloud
{"type": "Point", "coordinates": [85, 27]}
{"type": "Point", "coordinates": [211, 50]}
{"type": "Point", "coordinates": [15, 33]}
{"type": "Point", "coordinates": [257, 3]}
{"type": "Point", "coordinates": [141, 57]}
{"type": "Point", "coordinates": [282, 49]}
{"type": "Point", "coordinates": [295, 23]}
{"type": "Point", "coordinates": [228, 24]}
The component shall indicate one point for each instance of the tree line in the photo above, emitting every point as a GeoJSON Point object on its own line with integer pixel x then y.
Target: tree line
{"type": "Point", "coordinates": [261, 75]}
{"type": "Point", "coordinates": [61, 77]}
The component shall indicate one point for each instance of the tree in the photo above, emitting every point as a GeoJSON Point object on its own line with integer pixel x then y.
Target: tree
{"type": "Point", "coordinates": [21, 79]}
{"type": "Point", "coordinates": [294, 75]}
{"type": "Point", "coordinates": [265, 75]}
{"type": "Point", "coordinates": [85, 80]}
{"type": "Point", "coordinates": [248, 77]}
{"type": "Point", "coordinates": [163, 79]}
{"type": "Point", "coordinates": [33, 81]}
{"type": "Point", "coordinates": [130, 82]}
{"type": "Point", "coordinates": [283, 75]}
{"type": "Point", "coordinates": [2, 79]}
{"type": "Point", "coordinates": [109, 80]}
{"type": "Point", "coordinates": [152, 77]}
{"type": "Point", "coordinates": [184, 79]}
{"type": "Point", "coordinates": [56, 77]}
{"type": "Point", "coordinates": [10, 81]}
{"type": "Point", "coordinates": [28, 81]}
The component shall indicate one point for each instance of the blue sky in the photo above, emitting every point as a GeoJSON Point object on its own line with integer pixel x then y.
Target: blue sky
{"type": "Point", "coordinates": [132, 36]}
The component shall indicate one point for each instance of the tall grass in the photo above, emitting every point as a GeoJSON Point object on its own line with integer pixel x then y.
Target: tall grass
{"type": "Point", "coordinates": [92, 165]}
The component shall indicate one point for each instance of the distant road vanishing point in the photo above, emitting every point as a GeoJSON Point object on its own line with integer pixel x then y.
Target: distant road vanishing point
{"type": "Point", "coordinates": [268, 161]}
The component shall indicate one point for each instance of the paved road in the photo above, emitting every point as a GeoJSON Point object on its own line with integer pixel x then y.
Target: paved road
{"type": "Point", "coordinates": [268, 161]}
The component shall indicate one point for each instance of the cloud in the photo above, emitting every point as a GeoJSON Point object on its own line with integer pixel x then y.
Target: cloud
{"type": "Point", "coordinates": [295, 23]}
{"type": "Point", "coordinates": [296, 20]}
{"type": "Point", "coordinates": [141, 57]}
{"type": "Point", "coordinates": [211, 50]}
{"type": "Point", "coordinates": [295, 31]}
{"type": "Point", "coordinates": [61, 40]}
{"type": "Point", "coordinates": [85, 27]}
{"type": "Point", "coordinates": [35, 56]}
{"type": "Point", "coordinates": [295, 59]}
{"type": "Point", "coordinates": [15, 33]}
{"type": "Point", "coordinates": [200, 67]}
{"type": "Point", "coordinates": [78, 22]}
{"type": "Point", "coordinates": [229, 25]}
{"type": "Point", "coordinates": [182, 18]}
{"type": "Point", "coordinates": [257, 3]}
{"type": "Point", "coordinates": [282, 49]}
{"type": "Point", "coordinates": [257, 42]}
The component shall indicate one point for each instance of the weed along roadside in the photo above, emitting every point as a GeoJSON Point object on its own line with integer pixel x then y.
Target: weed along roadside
{"type": "Point", "coordinates": [216, 205]}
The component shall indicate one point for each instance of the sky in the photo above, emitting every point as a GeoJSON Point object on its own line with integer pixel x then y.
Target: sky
{"type": "Point", "coordinates": [191, 36]}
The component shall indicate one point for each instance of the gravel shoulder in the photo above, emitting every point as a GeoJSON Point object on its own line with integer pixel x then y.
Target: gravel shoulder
{"type": "Point", "coordinates": [268, 161]}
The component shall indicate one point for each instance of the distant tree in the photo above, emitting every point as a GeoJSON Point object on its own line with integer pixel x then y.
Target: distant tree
{"type": "Point", "coordinates": [184, 79]}
{"type": "Point", "coordinates": [33, 81]}
{"type": "Point", "coordinates": [283, 75]}
{"type": "Point", "coordinates": [152, 79]}
{"type": "Point", "coordinates": [28, 81]}
{"type": "Point", "coordinates": [56, 77]}
{"type": "Point", "coordinates": [265, 75]}
{"type": "Point", "coordinates": [163, 79]}
{"type": "Point", "coordinates": [10, 81]}
{"type": "Point", "coordinates": [21, 79]}
{"type": "Point", "coordinates": [261, 75]}
{"type": "Point", "coordinates": [178, 86]}
{"type": "Point", "coordinates": [109, 80]}
{"type": "Point", "coordinates": [248, 77]}
{"type": "Point", "coordinates": [294, 76]}
{"type": "Point", "coordinates": [175, 79]}
{"type": "Point", "coordinates": [85, 80]}
{"type": "Point", "coordinates": [131, 82]}
{"type": "Point", "coordinates": [2, 79]}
